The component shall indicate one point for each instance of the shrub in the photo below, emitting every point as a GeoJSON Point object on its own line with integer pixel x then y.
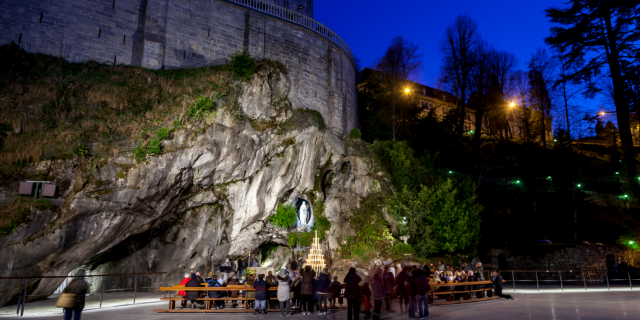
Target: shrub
{"type": "Point", "coordinates": [200, 108]}
{"type": "Point", "coordinates": [153, 148]}
{"type": "Point", "coordinates": [285, 216]}
{"type": "Point", "coordinates": [163, 133]}
{"type": "Point", "coordinates": [243, 65]}
{"type": "Point", "coordinates": [139, 153]}
{"type": "Point", "coordinates": [80, 150]}
{"type": "Point", "coordinates": [355, 133]}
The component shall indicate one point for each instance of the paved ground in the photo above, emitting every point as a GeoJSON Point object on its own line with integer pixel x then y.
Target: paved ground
{"type": "Point", "coordinates": [543, 306]}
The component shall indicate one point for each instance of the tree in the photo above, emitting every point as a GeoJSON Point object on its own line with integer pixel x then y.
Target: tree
{"type": "Point", "coordinates": [541, 68]}
{"type": "Point", "coordinates": [605, 33]}
{"type": "Point", "coordinates": [443, 217]}
{"type": "Point", "coordinates": [458, 48]}
{"type": "Point", "coordinates": [400, 61]}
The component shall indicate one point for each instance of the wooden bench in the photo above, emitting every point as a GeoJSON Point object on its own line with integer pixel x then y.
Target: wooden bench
{"type": "Point", "coordinates": [434, 285]}
{"type": "Point", "coordinates": [208, 302]}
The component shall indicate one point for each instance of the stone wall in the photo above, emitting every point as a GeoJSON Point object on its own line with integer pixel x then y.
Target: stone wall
{"type": "Point", "coordinates": [558, 257]}
{"type": "Point", "coordinates": [189, 33]}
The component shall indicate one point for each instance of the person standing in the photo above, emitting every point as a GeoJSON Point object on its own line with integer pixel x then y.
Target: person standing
{"type": "Point", "coordinates": [324, 281]}
{"type": "Point", "coordinates": [479, 272]}
{"type": "Point", "coordinates": [254, 264]}
{"type": "Point", "coordinates": [422, 288]}
{"type": "Point", "coordinates": [440, 266]}
{"type": "Point", "coordinates": [293, 266]}
{"type": "Point", "coordinates": [379, 292]}
{"type": "Point", "coordinates": [352, 293]}
{"type": "Point", "coordinates": [296, 287]}
{"type": "Point", "coordinates": [284, 292]}
{"type": "Point", "coordinates": [306, 289]}
{"type": "Point", "coordinates": [240, 267]}
{"type": "Point", "coordinates": [233, 282]}
{"type": "Point", "coordinates": [336, 289]}
{"type": "Point", "coordinates": [78, 287]}
{"type": "Point", "coordinates": [389, 284]}
{"type": "Point", "coordinates": [402, 294]}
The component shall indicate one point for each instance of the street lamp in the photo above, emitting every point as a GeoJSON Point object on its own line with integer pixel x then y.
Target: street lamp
{"type": "Point", "coordinates": [406, 90]}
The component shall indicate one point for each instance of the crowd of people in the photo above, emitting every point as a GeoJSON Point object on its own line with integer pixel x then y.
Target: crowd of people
{"type": "Point", "coordinates": [307, 292]}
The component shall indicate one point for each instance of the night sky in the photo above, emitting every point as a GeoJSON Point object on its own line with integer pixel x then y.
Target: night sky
{"type": "Point", "coordinates": [368, 27]}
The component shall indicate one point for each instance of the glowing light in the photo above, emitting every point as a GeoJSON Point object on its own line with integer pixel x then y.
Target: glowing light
{"type": "Point", "coordinates": [406, 90]}
{"type": "Point", "coordinates": [579, 185]}
{"type": "Point", "coordinates": [512, 104]}
{"type": "Point", "coordinates": [631, 242]}
{"type": "Point", "coordinates": [602, 113]}
{"type": "Point", "coordinates": [518, 182]}
{"type": "Point", "coordinates": [450, 172]}
{"type": "Point", "coordinates": [617, 172]}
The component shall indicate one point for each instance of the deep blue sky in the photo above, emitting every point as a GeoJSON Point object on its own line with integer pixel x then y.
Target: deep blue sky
{"type": "Point", "coordinates": [369, 26]}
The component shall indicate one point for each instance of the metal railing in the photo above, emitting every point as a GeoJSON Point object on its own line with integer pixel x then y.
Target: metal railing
{"type": "Point", "coordinates": [570, 279]}
{"type": "Point", "coordinates": [297, 18]}
{"type": "Point", "coordinates": [124, 289]}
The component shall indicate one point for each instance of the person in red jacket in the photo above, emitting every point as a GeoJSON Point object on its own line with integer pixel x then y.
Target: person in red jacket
{"type": "Point", "coordinates": [183, 293]}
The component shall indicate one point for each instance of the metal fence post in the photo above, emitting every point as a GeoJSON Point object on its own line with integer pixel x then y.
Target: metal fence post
{"type": "Point", "coordinates": [135, 288]}
{"type": "Point", "coordinates": [606, 275]}
{"type": "Point", "coordinates": [24, 298]}
{"type": "Point", "coordinates": [584, 281]}
{"type": "Point", "coordinates": [19, 300]}
{"type": "Point", "coordinates": [513, 278]}
{"type": "Point", "coordinates": [561, 286]}
{"type": "Point", "coordinates": [537, 283]}
{"type": "Point", "coordinates": [101, 292]}
{"type": "Point", "coordinates": [630, 284]}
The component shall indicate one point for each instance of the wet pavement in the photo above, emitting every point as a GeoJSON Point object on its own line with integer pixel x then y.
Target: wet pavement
{"type": "Point", "coordinates": [610, 305]}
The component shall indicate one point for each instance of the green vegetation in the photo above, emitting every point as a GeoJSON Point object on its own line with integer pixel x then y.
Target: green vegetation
{"type": "Point", "coordinates": [243, 65]}
{"type": "Point", "coordinates": [285, 216]}
{"type": "Point", "coordinates": [200, 108]}
{"type": "Point", "coordinates": [373, 236]}
{"type": "Point", "coordinates": [80, 150]}
{"type": "Point", "coordinates": [154, 146]}
{"type": "Point", "coordinates": [355, 134]}
{"type": "Point", "coordinates": [139, 153]}
{"type": "Point", "coordinates": [163, 133]}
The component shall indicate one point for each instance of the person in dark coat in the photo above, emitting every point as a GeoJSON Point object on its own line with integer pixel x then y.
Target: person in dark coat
{"type": "Point", "coordinates": [422, 287]}
{"type": "Point", "coordinates": [352, 293]}
{"type": "Point", "coordinates": [336, 289]}
{"type": "Point", "coordinates": [193, 295]}
{"type": "Point", "coordinates": [307, 289]}
{"type": "Point", "coordinates": [261, 287]}
{"type": "Point", "coordinates": [240, 268]}
{"type": "Point", "coordinates": [293, 265]}
{"type": "Point", "coordinates": [389, 283]}
{"type": "Point", "coordinates": [402, 294]}
{"type": "Point", "coordinates": [498, 283]}
{"type": "Point", "coordinates": [79, 288]}
{"type": "Point", "coordinates": [296, 288]}
{"type": "Point", "coordinates": [324, 282]}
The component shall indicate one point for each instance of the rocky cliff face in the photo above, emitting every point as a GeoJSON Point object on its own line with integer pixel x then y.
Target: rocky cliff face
{"type": "Point", "coordinates": [207, 197]}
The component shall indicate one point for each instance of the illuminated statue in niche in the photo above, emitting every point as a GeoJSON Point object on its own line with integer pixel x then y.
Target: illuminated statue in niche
{"type": "Point", "coordinates": [305, 215]}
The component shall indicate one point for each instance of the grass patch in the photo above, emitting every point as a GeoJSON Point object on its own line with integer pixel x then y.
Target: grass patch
{"type": "Point", "coordinates": [355, 134]}
{"type": "Point", "coordinates": [163, 133]}
{"type": "Point", "coordinates": [17, 213]}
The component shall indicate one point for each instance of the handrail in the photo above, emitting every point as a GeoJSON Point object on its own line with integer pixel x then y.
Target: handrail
{"type": "Point", "coordinates": [84, 276]}
{"type": "Point", "coordinates": [297, 18]}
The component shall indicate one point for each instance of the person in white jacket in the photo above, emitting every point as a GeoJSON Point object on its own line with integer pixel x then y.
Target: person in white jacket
{"type": "Point", "coordinates": [284, 291]}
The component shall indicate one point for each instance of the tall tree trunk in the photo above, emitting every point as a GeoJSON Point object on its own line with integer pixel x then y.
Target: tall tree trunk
{"type": "Point", "coordinates": [622, 107]}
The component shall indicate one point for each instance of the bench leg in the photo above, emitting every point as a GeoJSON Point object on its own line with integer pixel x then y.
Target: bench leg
{"type": "Point", "coordinates": [172, 304]}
